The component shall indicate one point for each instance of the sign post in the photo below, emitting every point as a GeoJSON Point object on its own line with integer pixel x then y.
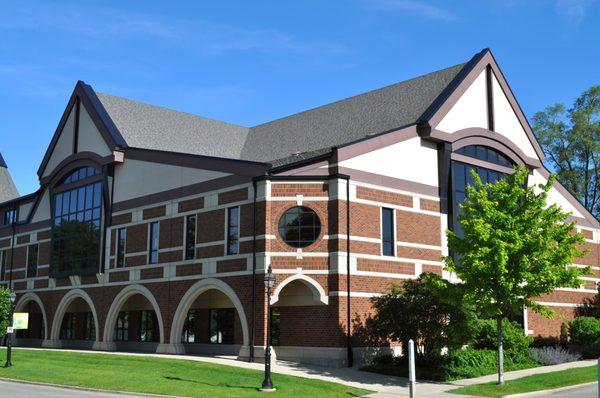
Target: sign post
{"type": "Point", "coordinates": [411, 367]}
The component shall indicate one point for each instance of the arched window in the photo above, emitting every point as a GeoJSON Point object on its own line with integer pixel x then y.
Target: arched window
{"type": "Point", "coordinates": [299, 226]}
{"type": "Point", "coordinates": [485, 153]}
{"type": "Point", "coordinates": [76, 215]}
{"type": "Point", "coordinates": [461, 175]}
{"type": "Point", "coordinates": [80, 174]}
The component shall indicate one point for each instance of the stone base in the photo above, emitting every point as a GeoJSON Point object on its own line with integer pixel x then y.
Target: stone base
{"type": "Point", "coordinates": [259, 354]}
{"type": "Point", "coordinates": [51, 343]}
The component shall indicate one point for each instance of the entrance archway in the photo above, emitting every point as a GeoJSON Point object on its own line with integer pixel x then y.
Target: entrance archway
{"type": "Point", "coordinates": [38, 327]}
{"type": "Point", "coordinates": [75, 321]}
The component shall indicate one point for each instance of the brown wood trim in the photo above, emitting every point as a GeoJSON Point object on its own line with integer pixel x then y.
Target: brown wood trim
{"type": "Point", "coordinates": [481, 163]}
{"type": "Point", "coordinates": [390, 182]}
{"type": "Point", "coordinates": [373, 143]}
{"type": "Point", "coordinates": [181, 192]}
{"type": "Point", "coordinates": [70, 163]}
{"type": "Point", "coordinates": [235, 166]}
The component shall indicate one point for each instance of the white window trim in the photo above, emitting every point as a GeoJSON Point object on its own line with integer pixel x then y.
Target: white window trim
{"type": "Point", "coordinates": [124, 247]}
{"type": "Point", "coordinates": [394, 237]}
{"type": "Point", "coordinates": [149, 251]}
{"type": "Point", "coordinates": [185, 235]}
{"type": "Point", "coordinates": [226, 248]}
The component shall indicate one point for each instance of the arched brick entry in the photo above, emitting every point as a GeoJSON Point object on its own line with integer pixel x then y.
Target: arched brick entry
{"type": "Point", "coordinates": [117, 304]}
{"type": "Point", "coordinates": [188, 299]}
{"type": "Point", "coordinates": [32, 297]}
{"type": "Point", "coordinates": [64, 304]}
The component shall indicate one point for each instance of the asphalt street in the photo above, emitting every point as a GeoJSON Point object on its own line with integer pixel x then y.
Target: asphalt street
{"type": "Point", "coordinates": [21, 390]}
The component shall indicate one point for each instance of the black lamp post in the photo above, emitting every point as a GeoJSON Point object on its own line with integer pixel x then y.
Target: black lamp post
{"type": "Point", "coordinates": [8, 363]}
{"type": "Point", "coordinates": [267, 384]}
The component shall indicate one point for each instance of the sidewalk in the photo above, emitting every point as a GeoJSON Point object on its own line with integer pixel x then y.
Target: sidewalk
{"type": "Point", "coordinates": [382, 385]}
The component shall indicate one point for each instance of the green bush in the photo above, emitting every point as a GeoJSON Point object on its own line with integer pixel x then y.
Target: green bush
{"type": "Point", "coordinates": [584, 331]}
{"type": "Point", "coordinates": [4, 310]}
{"type": "Point", "coordinates": [514, 340]}
{"type": "Point", "coordinates": [464, 364]}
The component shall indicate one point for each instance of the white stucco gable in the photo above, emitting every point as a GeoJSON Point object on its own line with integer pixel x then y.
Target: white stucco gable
{"type": "Point", "coordinates": [64, 144]}
{"type": "Point", "coordinates": [89, 138]}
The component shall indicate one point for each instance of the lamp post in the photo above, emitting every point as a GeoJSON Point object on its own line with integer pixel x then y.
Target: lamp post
{"type": "Point", "coordinates": [8, 363]}
{"type": "Point", "coordinates": [267, 385]}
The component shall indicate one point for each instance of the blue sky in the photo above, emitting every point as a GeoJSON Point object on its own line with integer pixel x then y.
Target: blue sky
{"type": "Point", "coordinates": [249, 62]}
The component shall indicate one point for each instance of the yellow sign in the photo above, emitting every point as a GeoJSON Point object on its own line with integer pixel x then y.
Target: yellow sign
{"type": "Point", "coordinates": [21, 320]}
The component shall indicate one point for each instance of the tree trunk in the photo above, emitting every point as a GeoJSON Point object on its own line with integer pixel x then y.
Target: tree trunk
{"type": "Point", "coordinates": [500, 352]}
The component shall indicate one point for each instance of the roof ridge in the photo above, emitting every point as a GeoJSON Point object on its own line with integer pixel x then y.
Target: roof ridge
{"type": "Point", "coordinates": [361, 94]}
{"type": "Point", "coordinates": [2, 162]}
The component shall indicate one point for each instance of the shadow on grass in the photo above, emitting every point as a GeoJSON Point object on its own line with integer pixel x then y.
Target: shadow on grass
{"type": "Point", "coordinates": [173, 378]}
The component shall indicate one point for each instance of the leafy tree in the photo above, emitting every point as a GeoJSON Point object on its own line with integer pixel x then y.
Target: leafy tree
{"type": "Point", "coordinates": [430, 310]}
{"type": "Point", "coordinates": [4, 310]}
{"type": "Point", "coordinates": [570, 139]}
{"type": "Point", "coordinates": [515, 248]}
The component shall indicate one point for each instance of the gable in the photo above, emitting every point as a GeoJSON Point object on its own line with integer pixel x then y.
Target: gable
{"type": "Point", "coordinates": [64, 143]}
{"type": "Point", "coordinates": [89, 138]}
{"type": "Point", "coordinates": [482, 99]}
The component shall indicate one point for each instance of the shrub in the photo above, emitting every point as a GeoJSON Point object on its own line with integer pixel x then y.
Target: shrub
{"type": "Point", "coordinates": [584, 331]}
{"type": "Point", "coordinates": [463, 364]}
{"type": "Point", "coordinates": [5, 306]}
{"type": "Point", "coordinates": [546, 341]}
{"type": "Point", "coordinates": [552, 355]}
{"type": "Point", "coordinates": [514, 340]}
{"type": "Point", "coordinates": [430, 310]}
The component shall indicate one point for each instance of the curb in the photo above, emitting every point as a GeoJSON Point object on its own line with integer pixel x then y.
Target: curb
{"type": "Point", "coordinates": [536, 393]}
{"type": "Point", "coordinates": [124, 393]}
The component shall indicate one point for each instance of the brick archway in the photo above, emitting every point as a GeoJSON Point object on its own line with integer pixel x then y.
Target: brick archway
{"type": "Point", "coordinates": [62, 309]}
{"type": "Point", "coordinates": [28, 297]}
{"type": "Point", "coordinates": [191, 295]}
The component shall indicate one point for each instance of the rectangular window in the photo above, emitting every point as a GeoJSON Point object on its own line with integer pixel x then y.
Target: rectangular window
{"type": "Point", "coordinates": [189, 327]}
{"type": "Point", "coordinates": [10, 216]}
{"type": "Point", "coordinates": [121, 237]}
{"type": "Point", "coordinates": [233, 230]}
{"type": "Point", "coordinates": [221, 325]}
{"type": "Point", "coordinates": [67, 330]}
{"type": "Point", "coordinates": [148, 326]}
{"type": "Point", "coordinates": [190, 237]}
{"type": "Point", "coordinates": [122, 327]}
{"type": "Point", "coordinates": [89, 332]}
{"type": "Point", "coordinates": [387, 232]}
{"type": "Point", "coordinates": [275, 326]}
{"type": "Point", "coordinates": [76, 232]}
{"type": "Point", "coordinates": [32, 261]}
{"type": "Point", "coordinates": [153, 255]}
{"type": "Point", "coordinates": [3, 255]}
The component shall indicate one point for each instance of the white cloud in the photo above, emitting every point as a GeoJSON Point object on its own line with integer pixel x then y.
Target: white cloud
{"type": "Point", "coordinates": [417, 8]}
{"type": "Point", "coordinates": [573, 11]}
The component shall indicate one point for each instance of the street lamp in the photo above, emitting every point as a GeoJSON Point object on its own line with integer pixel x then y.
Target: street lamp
{"type": "Point", "coordinates": [12, 296]}
{"type": "Point", "coordinates": [267, 385]}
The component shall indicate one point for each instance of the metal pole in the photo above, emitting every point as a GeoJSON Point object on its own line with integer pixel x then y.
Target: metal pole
{"type": "Point", "coordinates": [9, 336]}
{"type": "Point", "coordinates": [411, 367]}
{"type": "Point", "coordinates": [598, 377]}
{"type": "Point", "coordinates": [267, 385]}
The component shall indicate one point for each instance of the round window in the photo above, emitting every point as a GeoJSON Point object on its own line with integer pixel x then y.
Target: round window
{"type": "Point", "coordinates": [299, 226]}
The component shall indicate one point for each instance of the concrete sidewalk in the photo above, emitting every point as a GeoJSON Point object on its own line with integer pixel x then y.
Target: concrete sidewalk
{"type": "Point", "coordinates": [382, 385]}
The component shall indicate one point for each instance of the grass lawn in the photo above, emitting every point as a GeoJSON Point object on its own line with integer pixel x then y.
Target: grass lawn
{"type": "Point", "coordinates": [538, 382]}
{"type": "Point", "coordinates": [159, 376]}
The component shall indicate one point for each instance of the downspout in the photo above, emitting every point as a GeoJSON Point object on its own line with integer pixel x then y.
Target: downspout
{"type": "Point", "coordinates": [252, 325]}
{"type": "Point", "coordinates": [349, 336]}
{"type": "Point", "coordinates": [12, 246]}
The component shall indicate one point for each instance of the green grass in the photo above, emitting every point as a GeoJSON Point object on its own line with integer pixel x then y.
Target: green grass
{"type": "Point", "coordinates": [538, 382]}
{"type": "Point", "coordinates": [159, 376]}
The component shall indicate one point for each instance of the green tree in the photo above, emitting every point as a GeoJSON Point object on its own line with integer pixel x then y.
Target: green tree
{"type": "Point", "coordinates": [515, 248]}
{"type": "Point", "coordinates": [4, 310]}
{"type": "Point", "coordinates": [429, 310]}
{"type": "Point", "coordinates": [570, 139]}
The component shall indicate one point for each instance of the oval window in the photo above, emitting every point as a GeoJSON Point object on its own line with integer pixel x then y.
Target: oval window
{"type": "Point", "coordinates": [299, 226]}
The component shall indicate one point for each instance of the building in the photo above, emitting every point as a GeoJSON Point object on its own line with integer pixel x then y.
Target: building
{"type": "Point", "coordinates": [152, 229]}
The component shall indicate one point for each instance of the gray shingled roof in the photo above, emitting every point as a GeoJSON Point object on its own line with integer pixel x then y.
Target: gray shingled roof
{"type": "Point", "coordinates": [282, 141]}
{"type": "Point", "coordinates": [8, 190]}
{"type": "Point", "coordinates": [153, 127]}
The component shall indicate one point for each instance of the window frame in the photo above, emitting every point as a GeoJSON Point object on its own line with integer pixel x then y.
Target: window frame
{"type": "Point", "coordinates": [220, 328]}
{"type": "Point", "coordinates": [393, 242]}
{"type": "Point", "coordinates": [154, 236]}
{"type": "Point", "coordinates": [148, 324]}
{"type": "Point", "coordinates": [61, 188]}
{"type": "Point", "coordinates": [317, 227]}
{"type": "Point", "coordinates": [228, 234]}
{"type": "Point", "coordinates": [121, 330]}
{"type": "Point", "coordinates": [187, 245]}
{"type": "Point", "coordinates": [13, 214]}
{"type": "Point", "coordinates": [121, 247]}
{"type": "Point", "coordinates": [3, 261]}
{"type": "Point", "coordinates": [31, 264]}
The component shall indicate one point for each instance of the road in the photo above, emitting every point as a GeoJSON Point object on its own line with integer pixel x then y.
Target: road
{"type": "Point", "coordinates": [590, 391]}
{"type": "Point", "coordinates": [21, 390]}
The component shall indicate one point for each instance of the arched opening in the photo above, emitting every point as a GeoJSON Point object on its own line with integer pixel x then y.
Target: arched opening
{"type": "Point", "coordinates": [134, 321]}
{"type": "Point", "coordinates": [75, 321]}
{"type": "Point", "coordinates": [35, 334]}
{"type": "Point", "coordinates": [210, 319]}
{"type": "Point", "coordinates": [299, 313]}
